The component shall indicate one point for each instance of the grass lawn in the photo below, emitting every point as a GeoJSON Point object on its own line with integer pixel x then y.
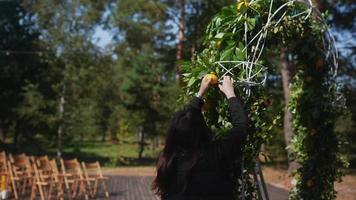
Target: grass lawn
{"type": "Point", "coordinates": [109, 154]}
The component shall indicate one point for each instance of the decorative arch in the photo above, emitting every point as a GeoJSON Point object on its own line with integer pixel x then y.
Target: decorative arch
{"type": "Point", "coordinates": [243, 40]}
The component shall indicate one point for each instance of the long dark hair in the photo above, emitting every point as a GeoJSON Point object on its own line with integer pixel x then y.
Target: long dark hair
{"type": "Point", "coordinates": [187, 132]}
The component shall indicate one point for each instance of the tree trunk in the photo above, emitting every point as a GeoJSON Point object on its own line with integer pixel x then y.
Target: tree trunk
{"type": "Point", "coordinates": [15, 140]}
{"type": "Point", "coordinates": [103, 135]}
{"type": "Point", "coordinates": [319, 5]}
{"type": "Point", "coordinates": [60, 127]}
{"type": "Point", "coordinates": [192, 51]}
{"type": "Point", "coordinates": [3, 132]}
{"type": "Point", "coordinates": [141, 142]}
{"type": "Point", "coordinates": [181, 37]}
{"type": "Point", "coordinates": [287, 71]}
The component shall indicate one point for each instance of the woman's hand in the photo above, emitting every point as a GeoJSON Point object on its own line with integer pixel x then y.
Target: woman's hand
{"type": "Point", "coordinates": [227, 87]}
{"type": "Point", "coordinates": [204, 86]}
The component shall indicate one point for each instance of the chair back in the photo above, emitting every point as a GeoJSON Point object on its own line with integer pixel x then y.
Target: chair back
{"type": "Point", "coordinates": [71, 167]}
{"type": "Point", "coordinates": [92, 169]}
{"type": "Point", "coordinates": [3, 163]}
{"type": "Point", "coordinates": [21, 165]}
{"type": "Point", "coordinates": [21, 160]}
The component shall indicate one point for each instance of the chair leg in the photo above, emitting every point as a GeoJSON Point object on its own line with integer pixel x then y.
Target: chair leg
{"type": "Point", "coordinates": [24, 186]}
{"type": "Point", "coordinates": [49, 194]}
{"type": "Point", "coordinates": [90, 189]}
{"type": "Point", "coordinates": [14, 189]}
{"type": "Point", "coordinates": [74, 189]}
{"type": "Point", "coordinates": [83, 190]}
{"type": "Point", "coordinates": [60, 192]}
{"type": "Point", "coordinates": [106, 188]}
{"type": "Point", "coordinates": [69, 192]}
{"type": "Point", "coordinates": [95, 187]}
{"type": "Point", "coordinates": [33, 192]}
{"type": "Point", "coordinates": [41, 192]}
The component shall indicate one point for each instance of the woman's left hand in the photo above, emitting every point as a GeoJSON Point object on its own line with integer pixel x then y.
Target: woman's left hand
{"type": "Point", "coordinates": [204, 86]}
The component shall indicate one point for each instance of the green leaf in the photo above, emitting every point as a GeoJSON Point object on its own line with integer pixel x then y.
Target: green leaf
{"type": "Point", "coordinates": [186, 74]}
{"type": "Point", "coordinates": [219, 35]}
{"type": "Point", "coordinates": [241, 45]}
{"type": "Point", "coordinates": [228, 11]}
{"type": "Point", "coordinates": [202, 74]}
{"type": "Point", "coordinates": [226, 55]}
{"type": "Point", "coordinates": [218, 21]}
{"type": "Point", "coordinates": [251, 22]}
{"type": "Point", "coordinates": [191, 81]}
{"type": "Point", "coordinates": [239, 54]}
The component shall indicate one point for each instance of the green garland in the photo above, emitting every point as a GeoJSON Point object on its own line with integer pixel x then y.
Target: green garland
{"type": "Point", "coordinates": [312, 90]}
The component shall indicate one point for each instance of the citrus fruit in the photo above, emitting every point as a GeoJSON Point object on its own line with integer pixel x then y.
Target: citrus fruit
{"type": "Point", "coordinates": [218, 44]}
{"type": "Point", "coordinates": [241, 4]}
{"type": "Point", "coordinates": [213, 78]}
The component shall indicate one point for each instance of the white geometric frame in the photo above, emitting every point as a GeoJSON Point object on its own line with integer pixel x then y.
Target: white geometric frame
{"type": "Point", "coordinates": [253, 54]}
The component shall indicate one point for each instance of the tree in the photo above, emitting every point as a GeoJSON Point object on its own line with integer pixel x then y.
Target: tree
{"type": "Point", "coordinates": [199, 14]}
{"type": "Point", "coordinates": [19, 64]}
{"type": "Point", "coordinates": [287, 72]}
{"type": "Point", "coordinates": [181, 36]}
{"type": "Point", "coordinates": [67, 94]}
{"type": "Point", "coordinates": [147, 78]}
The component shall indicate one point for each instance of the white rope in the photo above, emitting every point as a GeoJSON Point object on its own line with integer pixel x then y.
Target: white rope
{"type": "Point", "coordinates": [247, 80]}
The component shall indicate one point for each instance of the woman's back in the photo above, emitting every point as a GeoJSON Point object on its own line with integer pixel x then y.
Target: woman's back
{"type": "Point", "coordinates": [204, 171]}
{"type": "Point", "coordinates": [210, 176]}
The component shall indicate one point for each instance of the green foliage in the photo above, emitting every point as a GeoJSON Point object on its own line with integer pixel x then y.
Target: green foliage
{"type": "Point", "coordinates": [16, 65]}
{"type": "Point", "coordinates": [312, 91]}
{"type": "Point", "coordinates": [74, 69]}
{"type": "Point", "coordinates": [147, 86]}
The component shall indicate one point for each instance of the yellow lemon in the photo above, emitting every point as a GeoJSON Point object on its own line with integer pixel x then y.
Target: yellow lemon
{"type": "Point", "coordinates": [211, 76]}
{"type": "Point", "coordinates": [241, 3]}
{"type": "Point", "coordinates": [218, 44]}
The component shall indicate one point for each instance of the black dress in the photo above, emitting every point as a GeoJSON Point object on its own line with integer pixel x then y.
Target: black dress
{"type": "Point", "coordinates": [210, 178]}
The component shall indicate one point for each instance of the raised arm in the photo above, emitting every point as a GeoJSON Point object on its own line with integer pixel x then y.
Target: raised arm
{"type": "Point", "coordinates": [197, 101]}
{"type": "Point", "coordinates": [238, 115]}
{"type": "Point", "coordinates": [230, 145]}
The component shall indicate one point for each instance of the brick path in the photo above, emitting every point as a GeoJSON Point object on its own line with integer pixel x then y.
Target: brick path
{"type": "Point", "coordinates": [138, 188]}
{"type": "Point", "coordinates": [131, 188]}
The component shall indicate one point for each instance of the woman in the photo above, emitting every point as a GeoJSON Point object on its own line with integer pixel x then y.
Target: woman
{"type": "Point", "coordinates": [191, 165]}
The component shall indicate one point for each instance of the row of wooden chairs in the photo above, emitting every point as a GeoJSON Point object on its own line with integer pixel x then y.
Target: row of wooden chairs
{"type": "Point", "coordinates": [23, 175]}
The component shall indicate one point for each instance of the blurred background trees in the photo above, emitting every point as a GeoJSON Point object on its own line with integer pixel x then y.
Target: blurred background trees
{"type": "Point", "coordinates": [62, 92]}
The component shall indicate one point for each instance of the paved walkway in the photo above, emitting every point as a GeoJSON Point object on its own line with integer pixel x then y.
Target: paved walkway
{"type": "Point", "coordinates": [138, 188]}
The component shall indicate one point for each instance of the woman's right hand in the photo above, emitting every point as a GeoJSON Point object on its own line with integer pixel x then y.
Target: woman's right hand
{"type": "Point", "coordinates": [227, 87]}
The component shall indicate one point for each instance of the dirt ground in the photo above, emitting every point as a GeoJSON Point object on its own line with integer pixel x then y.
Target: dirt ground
{"type": "Point", "coordinates": [346, 190]}
{"type": "Point", "coordinates": [276, 177]}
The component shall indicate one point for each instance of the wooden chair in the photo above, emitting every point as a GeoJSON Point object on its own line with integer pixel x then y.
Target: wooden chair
{"type": "Point", "coordinates": [42, 161]}
{"type": "Point", "coordinates": [4, 173]}
{"type": "Point", "coordinates": [58, 180]}
{"type": "Point", "coordinates": [22, 170]}
{"type": "Point", "coordinates": [3, 159]}
{"type": "Point", "coordinates": [75, 183]}
{"type": "Point", "coordinates": [20, 174]}
{"type": "Point", "coordinates": [94, 177]}
{"type": "Point", "coordinates": [3, 164]}
{"type": "Point", "coordinates": [42, 183]}
{"type": "Point", "coordinates": [14, 179]}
